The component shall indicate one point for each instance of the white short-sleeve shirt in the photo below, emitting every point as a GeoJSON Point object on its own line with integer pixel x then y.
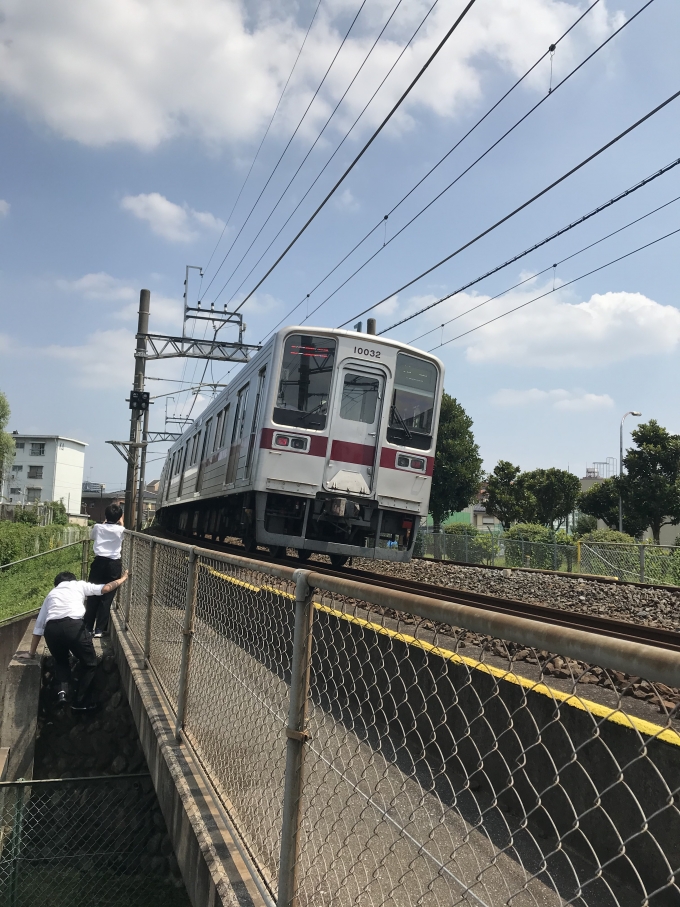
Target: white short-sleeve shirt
{"type": "Point", "coordinates": [65, 600]}
{"type": "Point", "coordinates": [108, 539]}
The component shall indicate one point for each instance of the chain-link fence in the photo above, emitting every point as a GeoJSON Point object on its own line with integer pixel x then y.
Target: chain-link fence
{"type": "Point", "coordinates": [643, 563]}
{"type": "Point", "coordinates": [376, 748]}
{"type": "Point", "coordinates": [86, 841]}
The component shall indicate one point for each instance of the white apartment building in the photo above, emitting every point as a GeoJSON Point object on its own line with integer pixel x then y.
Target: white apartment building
{"type": "Point", "coordinates": [46, 468]}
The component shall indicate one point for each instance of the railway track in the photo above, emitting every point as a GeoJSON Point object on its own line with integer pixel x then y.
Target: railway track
{"type": "Point", "coordinates": [604, 626]}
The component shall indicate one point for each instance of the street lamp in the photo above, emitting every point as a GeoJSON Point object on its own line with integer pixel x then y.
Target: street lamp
{"type": "Point", "coordinates": [633, 412]}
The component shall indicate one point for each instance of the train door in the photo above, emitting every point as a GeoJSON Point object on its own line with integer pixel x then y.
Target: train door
{"type": "Point", "coordinates": [233, 466]}
{"type": "Point", "coordinates": [354, 431]}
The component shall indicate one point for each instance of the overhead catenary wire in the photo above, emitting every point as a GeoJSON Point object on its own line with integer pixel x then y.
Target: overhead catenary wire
{"type": "Point", "coordinates": [383, 220]}
{"type": "Point", "coordinates": [523, 206]}
{"type": "Point", "coordinates": [335, 151]}
{"type": "Point", "coordinates": [363, 151]}
{"type": "Point", "coordinates": [557, 289]}
{"type": "Point", "coordinates": [551, 267]}
{"type": "Point", "coordinates": [308, 153]}
{"type": "Point", "coordinates": [266, 133]}
{"type": "Point", "coordinates": [626, 193]}
{"type": "Point", "coordinates": [287, 146]}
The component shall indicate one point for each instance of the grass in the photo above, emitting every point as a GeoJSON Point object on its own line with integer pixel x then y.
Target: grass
{"type": "Point", "coordinates": [23, 588]}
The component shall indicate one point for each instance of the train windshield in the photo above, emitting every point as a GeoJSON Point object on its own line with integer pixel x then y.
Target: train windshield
{"type": "Point", "coordinates": [412, 409]}
{"type": "Point", "coordinates": [305, 383]}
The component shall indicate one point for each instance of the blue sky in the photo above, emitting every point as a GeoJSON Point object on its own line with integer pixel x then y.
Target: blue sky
{"type": "Point", "coordinates": [128, 130]}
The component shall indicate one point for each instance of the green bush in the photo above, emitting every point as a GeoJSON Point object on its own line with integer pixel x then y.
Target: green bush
{"type": "Point", "coordinates": [533, 545]}
{"type": "Point", "coordinates": [585, 524]}
{"type": "Point", "coordinates": [19, 540]}
{"type": "Point", "coordinates": [23, 588]}
{"type": "Point", "coordinates": [607, 537]}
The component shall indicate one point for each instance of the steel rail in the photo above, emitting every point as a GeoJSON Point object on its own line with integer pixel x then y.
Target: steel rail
{"type": "Point", "coordinates": [625, 631]}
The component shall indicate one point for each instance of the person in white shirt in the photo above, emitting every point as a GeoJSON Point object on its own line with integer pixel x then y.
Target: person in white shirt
{"type": "Point", "coordinates": [61, 622]}
{"type": "Point", "coordinates": [106, 567]}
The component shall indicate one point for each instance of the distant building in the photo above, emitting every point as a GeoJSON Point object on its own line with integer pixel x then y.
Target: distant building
{"type": "Point", "coordinates": [96, 499]}
{"type": "Point", "coordinates": [46, 468]}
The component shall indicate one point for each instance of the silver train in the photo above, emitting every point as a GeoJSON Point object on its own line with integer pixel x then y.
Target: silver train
{"type": "Point", "coordinates": [323, 442]}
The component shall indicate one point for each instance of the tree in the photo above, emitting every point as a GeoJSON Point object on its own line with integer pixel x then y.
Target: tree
{"type": "Point", "coordinates": [651, 488]}
{"type": "Point", "coordinates": [601, 501]}
{"type": "Point", "coordinates": [457, 465]}
{"type": "Point", "coordinates": [555, 492]}
{"type": "Point", "coordinates": [6, 441]}
{"type": "Point", "coordinates": [507, 496]}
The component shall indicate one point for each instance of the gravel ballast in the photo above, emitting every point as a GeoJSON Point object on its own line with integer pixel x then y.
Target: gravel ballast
{"type": "Point", "coordinates": [651, 606]}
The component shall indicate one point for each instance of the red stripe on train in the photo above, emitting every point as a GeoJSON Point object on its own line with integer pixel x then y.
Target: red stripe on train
{"type": "Point", "coordinates": [349, 452]}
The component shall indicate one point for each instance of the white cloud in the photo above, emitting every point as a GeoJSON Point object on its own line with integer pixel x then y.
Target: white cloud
{"type": "Point", "coordinates": [346, 201]}
{"type": "Point", "coordinates": [145, 71]}
{"type": "Point", "coordinates": [98, 286]}
{"type": "Point", "coordinates": [560, 399]}
{"type": "Point", "coordinates": [173, 222]}
{"type": "Point", "coordinates": [556, 333]}
{"type": "Point", "coordinates": [103, 361]}
{"type": "Point", "coordinates": [165, 311]}
{"type": "Point", "coordinates": [4, 207]}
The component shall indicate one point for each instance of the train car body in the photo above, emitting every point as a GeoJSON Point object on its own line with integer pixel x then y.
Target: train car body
{"type": "Point", "coordinates": [323, 442]}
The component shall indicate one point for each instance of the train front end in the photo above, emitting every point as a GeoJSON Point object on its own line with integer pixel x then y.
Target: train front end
{"type": "Point", "coordinates": [347, 446]}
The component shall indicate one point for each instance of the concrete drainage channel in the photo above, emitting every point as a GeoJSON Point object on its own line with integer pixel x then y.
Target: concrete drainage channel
{"type": "Point", "coordinates": [87, 829]}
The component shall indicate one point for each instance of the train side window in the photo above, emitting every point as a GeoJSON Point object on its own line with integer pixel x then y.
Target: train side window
{"type": "Point", "coordinates": [225, 425]}
{"type": "Point", "coordinates": [256, 412]}
{"type": "Point", "coordinates": [218, 429]}
{"type": "Point", "coordinates": [206, 439]}
{"type": "Point", "coordinates": [305, 381]}
{"type": "Point", "coordinates": [194, 449]}
{"type": "Point", "coordinates": [240, 416]}
{"type": "Point", "coordinates": [359, 398]}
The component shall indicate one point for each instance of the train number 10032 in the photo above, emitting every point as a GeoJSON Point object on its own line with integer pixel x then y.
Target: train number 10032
{"type": "Point", "coordinates": [364, 351]}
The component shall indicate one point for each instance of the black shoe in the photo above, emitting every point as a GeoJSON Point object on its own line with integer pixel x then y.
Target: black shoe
{"type": "Point", "coordinates": [84, 706]}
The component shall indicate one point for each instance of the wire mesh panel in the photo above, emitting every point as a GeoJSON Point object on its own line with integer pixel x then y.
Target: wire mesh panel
{"type": "Point", "coordinates": [140, 568]}
{"type": "Point", "coordinates": [86, 842]}
{"type": "Point", "coordinates": [446, 768]}
{"type": "Point", "coordinates": [238, 691]}
{"type": "Point", "coordinates": [167, 617]}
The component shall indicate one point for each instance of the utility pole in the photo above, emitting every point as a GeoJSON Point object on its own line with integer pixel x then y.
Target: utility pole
{"type": "Point", "coordinates": [142, 473]}
{"type": "Point", "coordinates": [135, 414]}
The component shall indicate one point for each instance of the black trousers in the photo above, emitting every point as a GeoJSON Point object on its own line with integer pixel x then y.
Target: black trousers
{"type": "Point", "coordinates": [70, 636]}
{"type": "Point", "coordinates": [98, 607]}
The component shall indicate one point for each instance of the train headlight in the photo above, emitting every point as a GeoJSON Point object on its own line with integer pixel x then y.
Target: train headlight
{"type": "Point", "coordinates": [282, 441]}
{"type": "Point", "coordinates": [298, 443]}
{"type": "Point", "coordinates": [404, 462]}
{"type": "Point", "coordinates": [417, 463]}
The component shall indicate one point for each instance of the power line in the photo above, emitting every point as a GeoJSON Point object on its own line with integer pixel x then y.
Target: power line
{"type": "Point", "coordinates": [365, 148]}
{"type": "Point", "coordinates": [570, 226]}
{"type": "Point", "coordinates": [422, 180]}
{"type": "Point", "coordinates": [295, 131]}
{"type": "Point", "coordinates": [336, 150]}
{"type": "Point", "coordinates": [524, 205]}
{"type": "Point", "coordinates": [556, 289]}
{"type": "Point", "coordinates": [545, 270]}
{"type": "Point", "coordinates": [266, 133]}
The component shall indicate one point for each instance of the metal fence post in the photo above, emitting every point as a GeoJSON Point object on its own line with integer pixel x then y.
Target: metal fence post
{"type": "Point", "coordinates": [642, 563]}
{"type": "Point", "coordinates": [555, 554]}
{"type": "Point", "coordinates": [296, 734]}
{"type": "Point", "coordinates": [131, 579]}
{"type": "Point", "coordinates": [85, 559]}
{"type": "Point", "coordinates": [149, 602]}
{"type": "Point", "coordinates": [187, 634]}
{"type": "Point", "coordinates": [467, 560]}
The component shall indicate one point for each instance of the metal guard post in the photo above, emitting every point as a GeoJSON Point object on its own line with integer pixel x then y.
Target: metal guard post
{"type": "Point", "coordinates": [85, 559]}
{"type": "Point", "coordinates": [149, 602]}
{"type": "Point", "coordinates": [187, 634]}
{"type": "Point", "coordinates": [297, 736]}
{"type": "Point", "coordinates": [131, 579]}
